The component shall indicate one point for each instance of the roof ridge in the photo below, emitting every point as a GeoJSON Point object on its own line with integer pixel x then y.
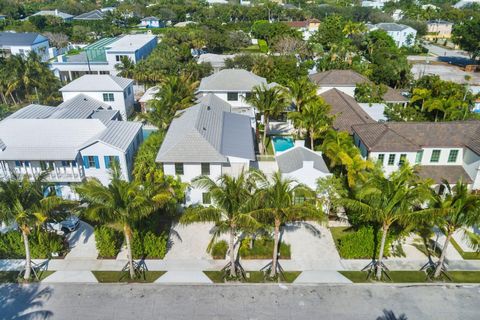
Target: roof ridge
{"type": "Point", "coordinates": [403, 136]}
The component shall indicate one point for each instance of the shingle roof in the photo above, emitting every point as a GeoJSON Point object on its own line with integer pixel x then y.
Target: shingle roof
{"type": "Point", "coordinates": [96, 83]}
{"type": "Point", "coordinates": [412, 136]}
{"type": "Point", "coordinates": [292, 160]}
{"type": "Point", "coordinates": [205, 133]}
{"type": "Point", "coordinates": [20, 38]}
{"type": "Point", "coordinates": [92, 15]}
{"type": "Point", "coordinates": [440, 173]}
{"type": "Point", "coordinates": [346, 110]}
{"type": "Point", "coordinates": [33, 111]}
{"type": "Point", "coordinates": [231, 80]}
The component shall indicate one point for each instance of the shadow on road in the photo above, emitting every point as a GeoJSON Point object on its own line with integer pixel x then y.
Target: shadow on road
{"type": "Point", "coordinates": [390, 315]}
{"type": "Point", "coordinates": [22, 302]}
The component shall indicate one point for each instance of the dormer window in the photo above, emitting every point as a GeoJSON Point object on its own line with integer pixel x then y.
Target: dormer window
{"type": "Point", "coordinates": [108, 97]}
{"type": "Point", "coordinates": [232, 96]}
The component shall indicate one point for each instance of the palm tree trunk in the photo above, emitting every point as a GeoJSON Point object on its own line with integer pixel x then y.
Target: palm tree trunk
{"type": "Point", "coordinates": [266, 123]}
{"type": "Point", "coordinates": [380, 254]}
{"type": "Point", "coordinates": [276, 233]}
{"type": "Point", "coordinates": [441, 261]}
{"type": "Point", "coordinates": [28, 260]}
{"type": "Point", "coordinates": [231, 252]}
{"type": "Point", "coordinates": [126, 231]}
{"type": "Point", "coordinates": [311, 140]}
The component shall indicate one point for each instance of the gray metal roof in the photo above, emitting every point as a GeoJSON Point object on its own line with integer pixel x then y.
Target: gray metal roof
{"type": "Point", "coordinates": [96, 83]}
{"type": "Point", "coordinates": [79, 107]}
{"type": "Point", "coordinates": [20, 38]}
{"type": "Point", "coordinates": [55, 13]}
{"type": "Point", "coordinates": [92, 15]}
{"type": "Point", "coordinates": [231, 80]}
{"type": "Point", "coordinates": [33, 111]}
{"type": "Point", "coordinates": [120, 134]}
{"type": "Point", "coordinates": [207, 132]}
{"type": "Point", "coordinates": [391, 26]}
{"type": "Point", "coordinates": [292, 160]}
{"type": "Point", "coordinates": [105, 115]}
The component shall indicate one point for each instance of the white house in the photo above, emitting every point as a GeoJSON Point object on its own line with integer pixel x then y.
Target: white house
{"type": "Point", "coordinates": [151, 22]}
{"type": "Point", "coordinates": [306, 27]}
{"type": "Point", "coordinates": [404, 36]}
{"type": "Point", "coordinates": [442, 150]}
{"type": "Point", "coordinates": [93, 15]}
{"type": "Point", "coordinates": [101, 56]}
{"type": "Point", "coordinates": [207, 139]}
{"type": "Point", "coordinates": [303, 165]}
{"type": "Point", "coordinates": [22, 43]}
{"type": "Point", "coordinates": [73, 141]}
{"type": "Point", "coordinates": [217, 61]}
{"type": "Point", "coordinates": [232, 86]}
{"type": "Point", "coordinates": [56, 13]}
{"type": "Point", "coordinates": [115, 91]}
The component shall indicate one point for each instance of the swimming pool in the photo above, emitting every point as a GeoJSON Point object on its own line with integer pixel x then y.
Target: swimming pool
{"type": "Point", "coordinates": [147, 132]}
{"type": "Point", "coordinates": [282, 143]}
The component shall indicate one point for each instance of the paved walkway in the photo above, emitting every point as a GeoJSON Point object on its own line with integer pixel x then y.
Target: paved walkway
{"type": "Point", "coordinates": [184, 277]}
{"type": "Point", "coordinates": [71, 277]}
{"type": "Point", "coordinates": [82, 243]}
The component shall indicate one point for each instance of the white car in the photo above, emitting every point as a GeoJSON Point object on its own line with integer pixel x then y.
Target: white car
{"type": "Point", "coordinates": [63, 227]}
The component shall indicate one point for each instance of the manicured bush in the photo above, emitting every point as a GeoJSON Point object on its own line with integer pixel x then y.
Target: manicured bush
{"type": "Point", "coordinates": [108, 240]}
{"type": "Point", "coordinates": [360, 244]}
{"type": "Point", "coordinates": [149, 245]}
{"type": "Point", "coordinates": [262, 44]}
{"type": "Point", "coordinates": [42, 245]}
{"type": "Point", "coordinates": [262, 249]}
{"type": "Point", "coordinates": [219, 249]}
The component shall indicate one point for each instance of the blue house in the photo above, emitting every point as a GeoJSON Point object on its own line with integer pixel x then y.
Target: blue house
{"type": "Point", "coordinates": [152, 22]}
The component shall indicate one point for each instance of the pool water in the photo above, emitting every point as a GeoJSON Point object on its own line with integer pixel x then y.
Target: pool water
{"type": "Point", "coordinates": [281, 143]}
{"type": "Point", "coordinates": [147, 132]}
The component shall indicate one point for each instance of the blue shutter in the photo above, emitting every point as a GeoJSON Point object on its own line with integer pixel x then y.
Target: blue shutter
{"type": "Point", "coordinates": [97, 163]}
{"type": "Point", "coordinates": [85, 162]}
{"type": "Point", "coordinates": [107, 161]}
{"type": "Point", "coordinates": [117, 160]}
{"type": "Point", "coordinates": [58, 191]}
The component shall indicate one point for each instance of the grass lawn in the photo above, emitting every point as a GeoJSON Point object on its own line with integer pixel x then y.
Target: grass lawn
{"type": "Point", "coordinates": [12, 276]}
{"type": "Point", "coordinates": [414, 276]}
{"type": "Point", "coordinates": [254, 48]}
{"type": "Point", "coordinates": [120, 276]}
{"type": "Point", "coordinates": [252, 277]}
{"type": "Point", "coordinates": [465, 255]}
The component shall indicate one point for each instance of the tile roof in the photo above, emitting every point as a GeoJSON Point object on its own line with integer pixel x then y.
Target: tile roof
{"type": "Point", "coordinates": [207, 132]}
{"type": "Point", "coordinates": [292, 160]}
{"type": "Point", "coordinates": [440, 173]}
{"type": "Point", "coordinates": [412, 136]}
{"type": "Point", "coordinates": [96, 83]}
{"type": "Point", "coordinates": [231, 80]}
{"type": "Point", "coordinates": [346, 110]}
{"type": "Point", "coordinates": [20, 38]}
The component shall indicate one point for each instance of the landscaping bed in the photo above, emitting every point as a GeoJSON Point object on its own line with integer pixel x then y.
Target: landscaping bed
{"type": "Point", "coordinates": [262, 249]}
{"type": "Point", "coordinates": [12, 276]}
{"type": "Point", "coordinates": [252, 277]}
{"type": "Point", "coordinates": [415, 277]}
{"type": "Point", "coordinates": [124, 276]}
{"type": "Point", "coordinates": [465, 254]}
{"type": "Point", "coordinates": [358, 244]}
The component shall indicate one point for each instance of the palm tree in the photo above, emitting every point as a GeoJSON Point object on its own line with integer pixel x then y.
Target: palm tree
{"type": "Point", "coordinates": [314, 118]}
{"type": "Point", "coordinates": [302, 91]}
{"type": "Point", "coordinates": [232, 200]}
{"type": "Point", "coordinates": [126, 67]}
{"type": "Point", "coordinates": [389, 200]}
{"type": "Point", "coordinates": [271, 101]}
{"type": "Point", "coordinates": [22, 202]}
{"type": "Point", "coordinates": [277, 199]}
{"type": "Point", "coordinates": [121, 202]}
{"type": "Point", "coordinates": [457, 209]}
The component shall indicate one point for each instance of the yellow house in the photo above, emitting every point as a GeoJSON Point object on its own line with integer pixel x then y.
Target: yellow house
{"type": "Point", "coordinates": [439, 29]}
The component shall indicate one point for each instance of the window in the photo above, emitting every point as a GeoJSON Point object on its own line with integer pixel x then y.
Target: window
{"type": "Point", "coordinates": [298, 199]}
{"type": "Point", "coordinates": [452, 156]}
{"type": "Point", "coordinates": [205, 169]}
{"type": "Point", "coordinates": [108, 97]}
{"type": "Point", "coordinates": [91, 162]}
{"type": "Point", "coordinates": [124, 95]}
{"type": "Point", "coordinates": [391, 159]}
{"type": "Point", "coordinates": [403, 158]}
{"type": "Point", "coordinates": [232, 96]}
{"type": "Point", "coordinates": [129, 90]}
{"type": "Point", "coordinates": [179, 168]}
{"type": "Point", "coordinates": [419, 156]}
{"type": "Point", "coordinates": [381, 158]}
{"type": "Point", "coordinates": [43, 165]}
{"type": "Point", "coordinates": [435, 156]}
{"type": "Point", "coordinates": [109, 160]}
{"type": "Point", "coordinates": [118, 58]}
{"type": "Point", "coordinates": [248, 95]}
{"type": "Point", "coordinates": [18, 163]}
{"type": "Point", "coordinates": [206, 198]}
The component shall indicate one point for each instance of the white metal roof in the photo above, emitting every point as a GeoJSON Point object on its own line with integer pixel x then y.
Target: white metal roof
{"type": "Point", "coordinates": [130, 42]}
{"type": "Point", "coordinates": [97, 83]}
{"type": "Point", "coordinates": [231, 80]}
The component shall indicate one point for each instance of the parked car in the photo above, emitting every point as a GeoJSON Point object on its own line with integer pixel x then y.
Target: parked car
{"type": "Point", "coordinates": [68, 225]}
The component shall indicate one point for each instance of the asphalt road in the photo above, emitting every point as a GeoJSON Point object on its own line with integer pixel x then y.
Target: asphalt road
{"type": "Point", "coordinates": [102, 301]}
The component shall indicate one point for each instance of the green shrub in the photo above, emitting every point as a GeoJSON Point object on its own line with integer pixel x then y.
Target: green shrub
{"type": "Point", "coordinates": [149, 245]}
{"type": "Point", "coordinates": [262, 44]}
{"type": "Point", "coordinates": [262, 249]}
{"type": "Point", "coordinates": [136, 242]}
{"type": "Point", "coordinates": [219, 249]}
{"type": "Point", "coordinates": [108, 240]}
{"type": "Point", "coordinates": [11, 245]}
{"type": "Point", "coordinates": [42, 245]}
{"type": "Point", "coordinates": [360, 244]}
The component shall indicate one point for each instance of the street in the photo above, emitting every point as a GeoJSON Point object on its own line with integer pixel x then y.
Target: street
{"type": "Point", "coordinates": [121, 301]}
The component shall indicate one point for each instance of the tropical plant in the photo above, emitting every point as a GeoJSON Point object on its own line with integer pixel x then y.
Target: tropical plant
{"type": "Point", "coordinates": [22, 202]}
{"type": "Point", "coordinates": [283, 200]}
{"type": "Point", "coordinates": [232, 200]}
{"type": "Point", "coordinates": [457, 209]}
{"type": "Point", "coordinates": [301, 91]}
{"type": "Point", "coordinates": [126, 67]}
{"type": "Point", "coordinates": [388, 200]}
{"type": "Point", "coordinates": [271, 101]}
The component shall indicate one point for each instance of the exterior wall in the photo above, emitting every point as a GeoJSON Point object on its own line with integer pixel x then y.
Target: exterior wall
{"type": "Point", "coordinates": [444, 152]}
{"type": "Point", "coordinates": [401, 37]}
{"type": "Point", "coordinates": [307, 175]}
{"type": "Point", "coordinates": [348, 90]}
{"type": "Point", "coordinates": [135, 56]}
{"type": "Point", "coordinates": [389, 169]}
{"type": "Point", "coordinates": [68, 71]}
{"type": "Point", "coordinates": [439, 30]}
{"type": "Point", "coordinates": [235, 104]}
{"type": "Point", "coordinates": [40, 48]}
{"type": "Point", "coordinates": [471, 164]}
{"type": "Point", "coordinates": [150, 23]}
{"type": "Point", "coordinates": [112, 58]}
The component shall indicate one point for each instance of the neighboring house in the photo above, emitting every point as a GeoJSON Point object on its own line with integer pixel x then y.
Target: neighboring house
{"type": "Point", "coordinates": [443, 150]}
{"type": "Point", "coordinates": [207, 139]}
{"type": "Point", "coordinates": [466, 3]}
{"type": "Point", "coordinates": [22, 43]}
{"type": "Point", "coordinates": [373, 4]}
{"type": "Point", "coordinates": [397, 15]}
{"type": "Point", "coordinates": [346, 81]}
{"type": "Point", "coordinates": [148, 96]}
{"type": "Point", "coordinates": [217, 61]}
{"type": "Point", "coordinates": [59, 14]}
{"type": "Point", "coordinates": [73, 141]}
{"type": "Point", "coordinates": [303, 165]}
{"type": "Point", "coordinates": [439, 29]}
{"type": "Point", "coordinates": [151, 22]}
{"type": "Point", "coordinates": [376, 111]}
{"type": "Point", "coordinates": [345, 109]}
{"type": "Point", "coordinates": [232, 86]}
{"type": "Point", "coordinates": [307, 27]}
{"type": "Point", "coordinates": [402, 35]}
{"type": "Point", "coordinates": [101, 56]}
{"type": "Point", "coordinates": [3, 17]}
{"type": "Point", "coordinates": [115, 91]}
{"type": "Point", "coordinates": [93, 15]}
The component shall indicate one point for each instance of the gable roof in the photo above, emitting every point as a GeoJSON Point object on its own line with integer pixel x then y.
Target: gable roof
{"type": "Point", "coordinates": [92, 15]}
{"type": "Point", "coordinates": [231, 80]}
{"type": "Point", "coordinates": [413, 136]}
{"type": "Point", "coordinates": [79, 107]}
{"type": "Point", "coordinates": [388, 26]}
{"type": "Point", "coordinates": [293, 158]}
{"type": "Point", "coordinates": [96, 83]}
{"type": "Point", "coordinates": [20, 38]}
{"type": "Point", "coordinates": [55, 13]}
{"type": "Point", "coordinates": [33, 111]}
{"type": "Point", "coordinates": [207, 132]}
{"type": "Point", "coordinates": [150, 19]}
{"type": "Point", "coordinates": [346, 110]}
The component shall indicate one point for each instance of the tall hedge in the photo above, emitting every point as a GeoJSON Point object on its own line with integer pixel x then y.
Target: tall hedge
{"type": "Point", "coordinates": [42, 244]}
{"type": "Point", "coordinates": [361, 243]}
{"type": "Point", "coordinates": [108, 241]}
{"type": "Point", "coordinates": [149, 245]}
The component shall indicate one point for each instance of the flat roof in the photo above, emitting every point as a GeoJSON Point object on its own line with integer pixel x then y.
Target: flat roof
{"type": "Point", "coordinates": [131, 42]}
